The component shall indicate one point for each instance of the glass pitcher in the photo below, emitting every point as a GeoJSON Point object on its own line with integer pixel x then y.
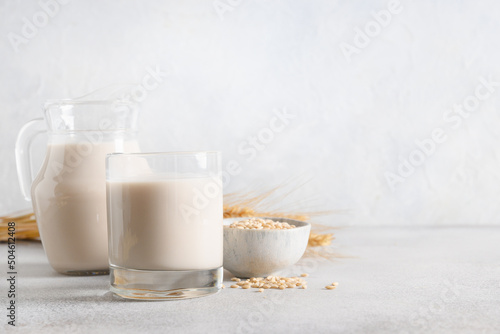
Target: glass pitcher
{"type": "Point", "coordinates": [69, 192]}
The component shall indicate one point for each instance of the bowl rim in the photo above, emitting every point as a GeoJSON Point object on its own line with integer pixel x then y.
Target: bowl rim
{"type": "Point", "coordinates": [302, 225]}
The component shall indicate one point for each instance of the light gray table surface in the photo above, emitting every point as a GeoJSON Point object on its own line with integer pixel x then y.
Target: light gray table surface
{"type": "Point", "coordinates": [391, 280]}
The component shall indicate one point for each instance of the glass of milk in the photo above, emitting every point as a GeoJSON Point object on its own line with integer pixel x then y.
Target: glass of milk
{"type": "Point", "coordinates": [164, 224]}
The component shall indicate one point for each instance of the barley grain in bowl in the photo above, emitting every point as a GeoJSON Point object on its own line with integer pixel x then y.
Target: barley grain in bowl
{"type": "Point", "coordinates": [262, 246]}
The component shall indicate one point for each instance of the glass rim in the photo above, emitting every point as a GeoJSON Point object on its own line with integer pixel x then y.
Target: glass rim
{"type": "Point", "coordinates": [146, 154]}
{"type": "Point", "coordinates": [66, 102]}
{"type": "Point", "coordinates": [113, 130]}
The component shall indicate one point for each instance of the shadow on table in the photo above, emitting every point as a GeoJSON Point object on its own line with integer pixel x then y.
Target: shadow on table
{"type": "Point", "coordinates": [37, 270]}
{"type": "Point", "coordinates": [102, 297]}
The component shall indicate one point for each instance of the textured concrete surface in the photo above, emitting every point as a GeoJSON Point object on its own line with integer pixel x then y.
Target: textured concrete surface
{"type": "Point", "coordinates": [391, 280]}
{"type": "Point", "coordinates": [226, 71]}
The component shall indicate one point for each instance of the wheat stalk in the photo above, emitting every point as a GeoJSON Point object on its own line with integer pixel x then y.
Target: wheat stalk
{"type": "Point", "coordinates": [26, 228]}
{"type": "Point", "coordinates": [257, 205]}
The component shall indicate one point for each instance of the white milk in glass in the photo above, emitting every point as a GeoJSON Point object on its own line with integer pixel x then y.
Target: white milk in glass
{"type": "Point", "coordinates": [166, 224]}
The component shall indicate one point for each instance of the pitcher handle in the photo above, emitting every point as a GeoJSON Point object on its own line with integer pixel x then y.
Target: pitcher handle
{"type": "Point", "coordinates": [23, 158]}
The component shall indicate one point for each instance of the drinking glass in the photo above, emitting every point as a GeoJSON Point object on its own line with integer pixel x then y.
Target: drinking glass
{"type": "Point", "coordinates": [165, 231]}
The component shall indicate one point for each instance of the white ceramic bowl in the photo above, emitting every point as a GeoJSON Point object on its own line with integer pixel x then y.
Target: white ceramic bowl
{"type": "Point", "coordinates": [260, 253]}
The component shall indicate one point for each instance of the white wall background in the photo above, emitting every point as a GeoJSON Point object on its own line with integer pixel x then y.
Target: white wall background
{"type": "Point", "coordinates": [226, 74]}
